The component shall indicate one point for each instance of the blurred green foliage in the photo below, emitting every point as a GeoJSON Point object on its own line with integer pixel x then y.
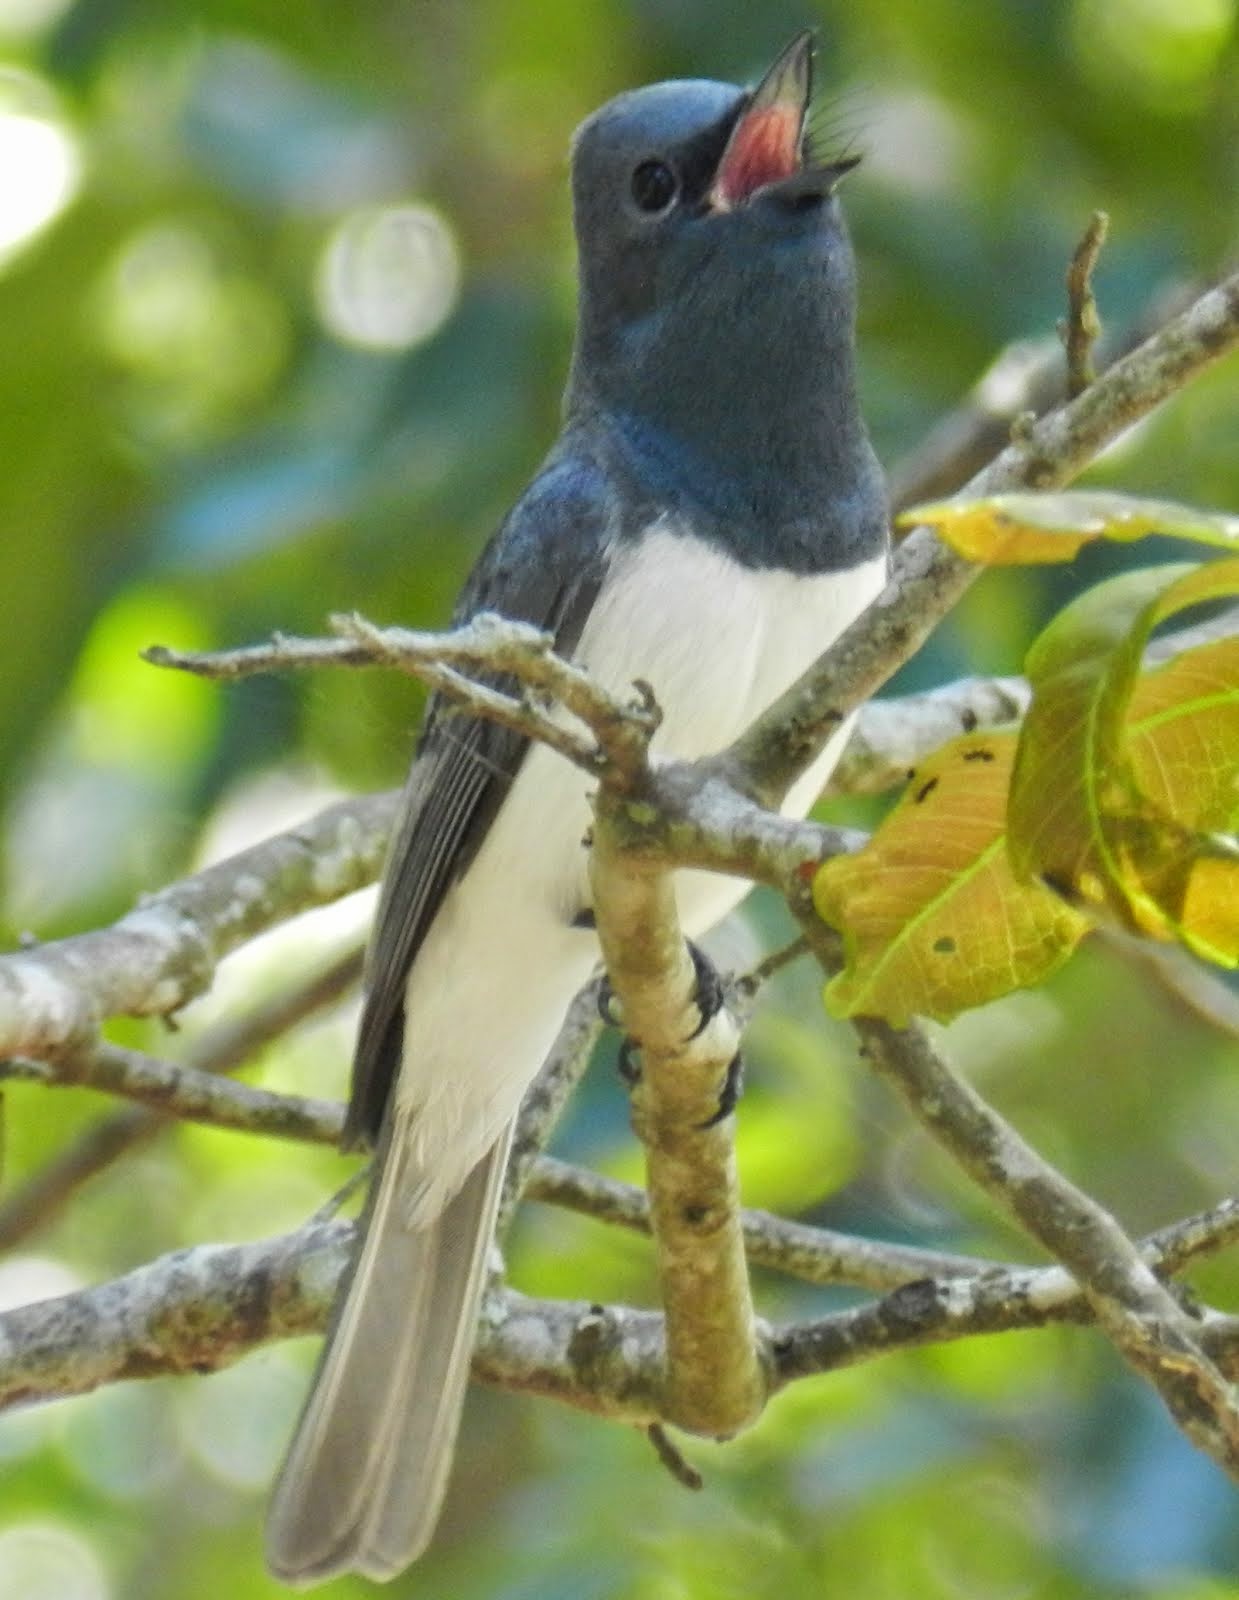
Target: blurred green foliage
{"type": "Point", "coordinates": [289, 338]}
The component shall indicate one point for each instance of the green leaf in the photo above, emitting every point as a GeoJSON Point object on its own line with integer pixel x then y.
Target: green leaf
{"type": "Point", "coordinates": [1182, 735]}
{"type": "Point", "coordinates": [1026, 529]}
{"type": "Point", "coordinates": [1116, 795]}
{"type": "Point", "coordinates": [934, 921]}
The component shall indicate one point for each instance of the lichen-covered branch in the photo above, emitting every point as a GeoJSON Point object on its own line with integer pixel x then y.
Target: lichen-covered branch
{"type": "Point", "coordinates": [199, 1310]}
{"type": "Point", "coordinates": [1144, 1320]}
{"type": "Point", "coordinates": [714, 1380]}
{"type": "Point", "coordinates": [894, 735]}
{"type": "Point", "coordinates": [222, 1048]}
{"type": "Point", "coordinates": [164, 952]}
{"type": "Point", "coordinates": [459, 664]}
{"type": "Point", "coordinates": [187, 1093]}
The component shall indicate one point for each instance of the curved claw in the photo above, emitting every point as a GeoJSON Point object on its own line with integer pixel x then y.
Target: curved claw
{"type": "Point", "coordinates": [729, 1098]}
{"type": "Point", "coordinates": [627, 1063]}
{"type": "Point", "coordinates": [710, 996]}
{"type": "Point", "coordinates": [609, 1008]}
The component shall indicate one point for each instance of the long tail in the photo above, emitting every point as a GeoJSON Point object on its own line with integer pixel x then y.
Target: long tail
{"type": "Point", "coordinates": [361, 1485]}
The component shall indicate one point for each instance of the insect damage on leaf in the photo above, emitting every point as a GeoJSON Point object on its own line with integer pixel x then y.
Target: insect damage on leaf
{"type": "Point", "coordinates": [933, 919]}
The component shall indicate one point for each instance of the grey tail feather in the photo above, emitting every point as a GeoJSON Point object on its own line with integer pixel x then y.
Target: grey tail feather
{"type": "Point", "coordinates": [364, 1478]}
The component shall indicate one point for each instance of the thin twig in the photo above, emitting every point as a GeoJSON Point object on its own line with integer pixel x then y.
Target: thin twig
{"type": "Point", "coordinates": [223, 1048]}
{"type": "Point", "coordinates": [459, 664]}
{"type": "Point", "coordinates": [547, 1096]}
{"type": "Point", "coordinates": [164, 953]}
{"type": "Point", "coordinates": [623, 728]}
{"type": "Point", "coordinates": [187, 1093]}
{"type": "Point", "coordinates": [801, 1250]}
{"type": "Point", "coordinates": [1027, 377]}
{"type": "Point", "coordinates": [1143, 1319]}
{"type": "Point", "coordinates": [684, 1473]}
{"type": "Point", "coordinates": [1082, 327]}
{"type": "Point", "coordinates": [744, 988]}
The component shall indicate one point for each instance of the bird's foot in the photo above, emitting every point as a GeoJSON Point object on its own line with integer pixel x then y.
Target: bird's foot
{"type": "Point", "coordinates": [709, 996]}
{"type": "Point", "coordinates": [612, 1013]}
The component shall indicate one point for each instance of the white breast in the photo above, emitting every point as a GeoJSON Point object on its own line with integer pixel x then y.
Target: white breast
{"type": "Point", "coordinates": [718, 642]}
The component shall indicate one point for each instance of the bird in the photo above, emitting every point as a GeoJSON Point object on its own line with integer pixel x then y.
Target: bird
{"type": "Point", "coordinates": [710, 518]}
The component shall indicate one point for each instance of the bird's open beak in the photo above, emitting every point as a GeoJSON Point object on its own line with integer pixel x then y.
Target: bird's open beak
{"type": "Point", "coordinates": [766, 146]}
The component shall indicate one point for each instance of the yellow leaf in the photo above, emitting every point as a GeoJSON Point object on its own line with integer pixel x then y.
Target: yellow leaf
{"type": "Point", "coordinates": [1183, 736]}
{"type": "Point", "coordinates": [1208, 917]}
{"type": "Point", "coordinates": [933, 919]}
{"type": "Point", "coordinates": [1026, 529]}
{"type": "Point", "coordinates": [1120, 785]}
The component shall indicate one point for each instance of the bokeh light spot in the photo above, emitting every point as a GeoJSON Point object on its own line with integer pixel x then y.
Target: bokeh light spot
{"type": "Point", "coordinates": [122, 1441]}
{"type": "Point", "coordinates": [200, 337]}
{"type": "Point", "coordinates": [237, 1425]}
{"type": "Point", "coordinates": [25, 1279]}
{"type": "Point", "coordinates": [39, 163]}
{"type": "Point", "coordinates": [389, 276]}
{"type": "Point", "coordinates": [45, 1561]}
{"type": "Point", "coordinates": [1163, 50]}
{"type": "Point", "coordinates": [20, 18]}
{"type": "Point", "coordinates": [126, 712]}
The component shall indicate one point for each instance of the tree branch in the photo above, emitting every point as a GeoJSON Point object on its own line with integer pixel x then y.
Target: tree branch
{"type": "Point", "coordinates": [714, 1381]}
{"type": "Point", "coordinates": [1140, 1315]}
{"type": "Point", "coordinates": [198, 1310]}
{"type": "Point", "coordinates": [187, 1093]}
{"type": "Point", "coordinates": [488, 645]}
{"type": "Point", "coordinates": [812, 1254]}
{"type": "Point", "coordinates": [547, 1096]}
{"type": "Point", "coordinates": [927, 578]}
{"type": "Point", "coordinates": [164, 953]}
{"type": "Point", "coordinates": [1142, 1318]}
{"type": "Point", "coordinates": [221, 1049]}
{"type": "Point", "coordinates": [894, 735]}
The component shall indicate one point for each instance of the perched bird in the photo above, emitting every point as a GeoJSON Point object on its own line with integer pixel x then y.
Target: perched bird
{"type": "Point", "coordinates": [710, 518]}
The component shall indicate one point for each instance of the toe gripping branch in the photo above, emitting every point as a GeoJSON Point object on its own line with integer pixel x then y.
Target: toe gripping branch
{"type": "Point", "coordinates": [709, 996]}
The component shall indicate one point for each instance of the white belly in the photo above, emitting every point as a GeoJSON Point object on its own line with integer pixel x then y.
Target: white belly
{"type": "Point", "coordinates": [718, 642]}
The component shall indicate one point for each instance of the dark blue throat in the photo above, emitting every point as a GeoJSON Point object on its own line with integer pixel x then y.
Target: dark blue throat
{"type": "Point", "coordinates": [735, 406]}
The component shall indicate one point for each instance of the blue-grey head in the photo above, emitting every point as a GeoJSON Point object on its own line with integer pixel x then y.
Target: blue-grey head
{"type": "Point", "coordinates": [717, 296]}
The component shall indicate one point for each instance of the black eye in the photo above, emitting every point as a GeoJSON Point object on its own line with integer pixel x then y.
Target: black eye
{"type": "Point", "coordinates": [654, 186]}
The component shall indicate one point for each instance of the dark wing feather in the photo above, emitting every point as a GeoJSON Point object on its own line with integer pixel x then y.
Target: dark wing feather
{"type": "Point", "coordinates": [544, 566]}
